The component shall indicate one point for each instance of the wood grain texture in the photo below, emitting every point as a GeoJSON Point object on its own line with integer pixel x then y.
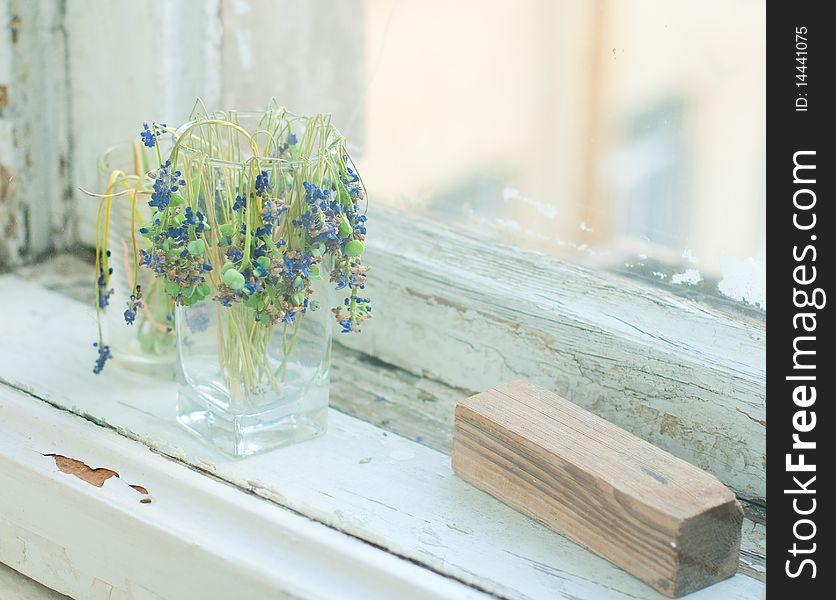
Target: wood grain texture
{"type": "Point", "coordinates": [661, 519]}
{"type": "Point", "coordinates": [687, 377]}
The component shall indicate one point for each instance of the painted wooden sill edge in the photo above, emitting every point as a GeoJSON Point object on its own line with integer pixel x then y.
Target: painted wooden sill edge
{"type": "Point", "coordinates": [179, 543]}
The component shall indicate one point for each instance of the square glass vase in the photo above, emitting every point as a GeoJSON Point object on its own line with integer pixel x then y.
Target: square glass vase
{"type": "Point", "coordinates": [246, 393]}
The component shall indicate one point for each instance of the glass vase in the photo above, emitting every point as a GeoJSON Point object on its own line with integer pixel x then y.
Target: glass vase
{"type": "Point", "coordinates": [253, 376]}
{"type": "Point", "coordinates": [247, 387]}
{"type": "Point", "coordinates": [148, 344]}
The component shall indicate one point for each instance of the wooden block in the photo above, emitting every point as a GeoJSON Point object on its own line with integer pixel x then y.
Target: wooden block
{"type": "Point", "coordinates": [659, 518]}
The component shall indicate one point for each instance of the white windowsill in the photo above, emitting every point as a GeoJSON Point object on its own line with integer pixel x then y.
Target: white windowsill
{"type": "Point", "coordinates": [429, 532]}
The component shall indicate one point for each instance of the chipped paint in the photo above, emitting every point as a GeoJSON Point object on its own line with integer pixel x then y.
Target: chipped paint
{"type": "Point", "coordinates": [96, 477]}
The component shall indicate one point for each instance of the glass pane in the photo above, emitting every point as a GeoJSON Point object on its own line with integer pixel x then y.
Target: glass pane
{"type": "Point", "coordinates": [625, 136]}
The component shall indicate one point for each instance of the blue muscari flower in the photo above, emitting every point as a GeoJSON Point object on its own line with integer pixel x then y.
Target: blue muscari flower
{"type": "Point", "coordinates": [134, 304]}
{"type": "Point", "coordinates": [240, 203]}
{"type": "Point", "coordinates": [292, 140]}
{"type": "Point", "coordinates": [313, 193]}
{"type": "Point", "coordinates": [346, 326]}
{"type": "Point", "coordinates": [267, 214]}
{"type": "Point", "coordinates": [104, 355]}
{"type": "Point", "coordinates": [266, 230]}
{"type": "Point", "coordinates": [352, 176]}
{"type": "Point", "coordinates": [297, 267]}
{"type": "Point", "coordinates": [165, 184]}
{"type": "Point", "coordinates": [206, 267]}
{"type": "Point", "coordinates": [289, 317]}
{"type": "Point", "coordinates": [234, 254]}
{"type": "Point", "coordinates": [176, 233]}
{"type": "Point", "coordinates": [148, 135]}
{"type": "Point", "coordinates": [305, 220]}
{"type": "Point", "coordinates": [262, 183]}
{"type": "Point", "coordinates": [101, 284]}
{"type": "Point", "coordinates": [145, 257]}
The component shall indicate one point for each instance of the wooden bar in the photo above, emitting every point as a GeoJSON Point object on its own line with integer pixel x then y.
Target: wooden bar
{"type": "Point", "coordinates": [661, 519]}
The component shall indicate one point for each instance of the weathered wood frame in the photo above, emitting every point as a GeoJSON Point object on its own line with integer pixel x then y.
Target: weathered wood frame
{"type": "Point", "coordinates": [471, 315]}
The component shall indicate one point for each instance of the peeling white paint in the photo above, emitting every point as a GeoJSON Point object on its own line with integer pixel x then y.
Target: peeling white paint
{"type": "Point", "coordinates": [687, 277]}
{"type": "Point", "coordinates": [744, 280]}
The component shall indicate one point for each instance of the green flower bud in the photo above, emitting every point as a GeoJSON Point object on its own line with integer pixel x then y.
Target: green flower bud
{"type": "Point", "coordinates": [234, 279]}
{"type": "Point", "coordinates": [196, 247]}
{"type": "Point", "coordinates": [227, 266]}
{"type": "Point", "coordinates": [354, 248]}
{"type": "Point", "coordinates": [227, 229]}
{"type": "Point", "coordinates": [313, 270]}
{"type": "Point", "coordinates": [176, 200]}
{"type": "Point", "coordinates": [264, 261]}
{"type": "Point", "coordinates": [202, 291]}
{"type": "Point", "coordinates": [298, 283]}
{"type": "Point", "coordinates": [298, 299]}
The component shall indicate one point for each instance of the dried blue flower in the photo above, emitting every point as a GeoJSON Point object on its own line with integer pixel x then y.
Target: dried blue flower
{"type": "Point", "coordinates": [262, 183]}
{"type": "Point", "coordinates": [134, 305]}
{"type": "Point", "coordinates": [165, 184]}
{"type": "Point", "coordinates": [240, 204]}
{"type": "Point", "coordinates": [104, 355]}
{"type": "Point", "coordinates": [149, 134]}
{"type": "Point", "coordinates": [101, 285]}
